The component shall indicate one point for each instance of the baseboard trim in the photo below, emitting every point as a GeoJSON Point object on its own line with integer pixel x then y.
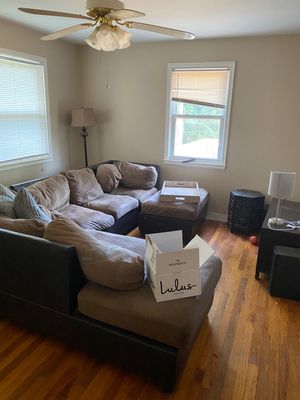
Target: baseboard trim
{"type": "Point", "coordinates": [213, 216]}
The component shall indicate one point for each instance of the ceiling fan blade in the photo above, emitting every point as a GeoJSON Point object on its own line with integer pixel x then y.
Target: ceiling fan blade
{"type": "Point", "coordinates": [53, 13]}
{"type": "Point", "coordinates": [124, 14]}
{"type": "Point", "coordinates": [66, 31]}
{"type": "Point", "coordinates": [160, 29]}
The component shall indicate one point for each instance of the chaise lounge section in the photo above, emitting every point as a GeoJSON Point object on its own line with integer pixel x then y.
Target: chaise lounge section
{"type": "Point", "coordinates": [42, 287]}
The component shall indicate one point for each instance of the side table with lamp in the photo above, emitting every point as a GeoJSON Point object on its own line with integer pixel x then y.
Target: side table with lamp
{"type": "Point", "coordinates": [281, 186]}
{"type": "Point", "coordinates": [281, 226]}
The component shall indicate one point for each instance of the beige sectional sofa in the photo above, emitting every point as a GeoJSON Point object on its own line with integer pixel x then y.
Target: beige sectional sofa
{"type": "Point", "coordinates": [78, 195]}
{"type": "Point", "coordinates": [46, 286]}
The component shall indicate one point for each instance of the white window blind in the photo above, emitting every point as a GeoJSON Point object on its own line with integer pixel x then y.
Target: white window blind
{"type": "Point", "coordinates": [200, 87]}
{"type": "Point", "coordinates": [23, 111]}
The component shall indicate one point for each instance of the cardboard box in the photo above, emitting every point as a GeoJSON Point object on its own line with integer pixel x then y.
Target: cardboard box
{"type": "Point", "coordinates": [185, 191]}
{"type": "Point", "coordinates": [174, 271]}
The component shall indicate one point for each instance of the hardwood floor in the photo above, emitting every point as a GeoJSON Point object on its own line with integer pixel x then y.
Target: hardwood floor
{"type": "Point", "coordinates": [249, 348]}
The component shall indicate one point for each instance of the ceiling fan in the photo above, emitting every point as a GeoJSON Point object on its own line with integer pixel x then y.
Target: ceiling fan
{"type": "Point", "coordinates": [106, 16]}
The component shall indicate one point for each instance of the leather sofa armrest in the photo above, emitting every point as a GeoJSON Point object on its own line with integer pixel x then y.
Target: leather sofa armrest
{"type": "Point", "coordinates": [40, 271]}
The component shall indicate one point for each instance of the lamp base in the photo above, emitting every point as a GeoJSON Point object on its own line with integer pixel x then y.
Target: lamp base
{"type": "Point", "coordinates": [276, 221]}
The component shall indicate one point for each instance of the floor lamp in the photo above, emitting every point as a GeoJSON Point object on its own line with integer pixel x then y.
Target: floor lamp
{"type": "Point", "coordinates": [281, 186]}
{"type": "Point", "coordinates": [82, 118]}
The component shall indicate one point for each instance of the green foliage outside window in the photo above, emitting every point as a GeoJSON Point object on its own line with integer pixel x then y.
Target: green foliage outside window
{"type": "Point", "coordinates": [197, 128]}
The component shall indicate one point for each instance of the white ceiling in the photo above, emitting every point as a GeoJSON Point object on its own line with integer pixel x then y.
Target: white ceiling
{"type": "Point", "coordinates": [204, 18]}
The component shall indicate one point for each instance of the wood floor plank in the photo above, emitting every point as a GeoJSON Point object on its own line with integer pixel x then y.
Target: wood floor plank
{"type": "Point", "coordinates": [247, 349]}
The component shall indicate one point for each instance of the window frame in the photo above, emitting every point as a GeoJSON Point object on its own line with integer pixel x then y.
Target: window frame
{"type": "Point", "coordinates": [42, 158]}
{"type": "Point", "coordinates": [169, 157]}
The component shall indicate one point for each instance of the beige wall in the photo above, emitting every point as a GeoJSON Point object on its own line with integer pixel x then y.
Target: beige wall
{"type": "Point", "coordinates": [64, 93]}
{"type": "Point", "coordinates": [265, 118]}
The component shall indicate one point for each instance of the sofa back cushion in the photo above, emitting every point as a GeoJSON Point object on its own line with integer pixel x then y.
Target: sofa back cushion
{"type": "Point", "coordinates": [109, 176]}
{"type": "Point", "coordinates": [137, 176]}
{"type": "Point", "coordinates": [52, 193]}
{"type": "Point", "coordinates": [31, 227]}
{"type": "Point", "coordinates": [83, 185]}
{"type": "Point", "coordinates": [102, 263]}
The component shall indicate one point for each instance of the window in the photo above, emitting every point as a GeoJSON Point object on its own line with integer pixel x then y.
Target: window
{"type": "Point", "coordinates": [24, 137]}
{"type": "Point", "coordinates": [198, 110]}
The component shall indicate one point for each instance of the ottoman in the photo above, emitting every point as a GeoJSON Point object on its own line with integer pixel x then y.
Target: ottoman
{"type": "Point", "coordinates": [163, 216]}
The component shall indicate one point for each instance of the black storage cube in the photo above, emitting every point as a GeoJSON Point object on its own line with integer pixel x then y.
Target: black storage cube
{"type": "Point", "coordinates": [285, 273]}
{"type": "Point", "coordinates": [245, 211]}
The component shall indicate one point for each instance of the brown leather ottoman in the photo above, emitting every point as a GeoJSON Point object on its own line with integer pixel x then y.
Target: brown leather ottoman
{"type": "Point", "coordinates": [164, 216]}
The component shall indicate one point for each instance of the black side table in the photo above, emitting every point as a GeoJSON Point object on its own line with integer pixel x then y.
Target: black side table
{"type": "Point", "coordinates": [245, 211]}
{"type": "Point", "coordinates": [269, 238]}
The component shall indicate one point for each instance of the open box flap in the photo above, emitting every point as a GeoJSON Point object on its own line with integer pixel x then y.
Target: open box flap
{"type": "Point", "coordinates": [205, 250]}
{"type": "Point", "coordinates": [167, 242]}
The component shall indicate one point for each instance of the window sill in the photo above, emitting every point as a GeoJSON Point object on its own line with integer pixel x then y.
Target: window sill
{"type": "Point", "coordinates": [195, 164]}
{"type": "Point", "coordinates": [21, 164]}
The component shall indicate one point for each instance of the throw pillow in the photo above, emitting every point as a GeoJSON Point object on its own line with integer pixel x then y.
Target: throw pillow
{"type": "Point", "coordinates": [6, 192]}
{"type": "Point", "coordinates": [137, 176]}
{"type": "Point", "coordinates": [7, 202]}
{"type": "Point", "coordinates": [28, 226]}
{"type": "Point", "coordinates": [101, 263]}
{"type": "Point", "coordinates": [84, 186]}
{"type": "Point", "coordinates": [26, 207]}
{"type": "Point", "coordinates": [109, 176]}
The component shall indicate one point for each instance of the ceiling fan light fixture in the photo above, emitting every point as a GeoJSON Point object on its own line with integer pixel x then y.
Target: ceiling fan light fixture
{"type": "Point", "coordinates": [109, 38]}
{"type": "Point", "coordinates": [121, 35]}
{"type": "Point", "coordinates": [106, 16]}
{"type": "Point", "coordinates": [92, 39]}
{"type": "Point", "coordinates": [124, 45]}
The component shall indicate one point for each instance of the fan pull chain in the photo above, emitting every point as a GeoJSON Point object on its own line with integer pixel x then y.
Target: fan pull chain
{"type": "Point", "coordinates": [107, 76]}
{"type": "Point", "coordinates": [101, 62]}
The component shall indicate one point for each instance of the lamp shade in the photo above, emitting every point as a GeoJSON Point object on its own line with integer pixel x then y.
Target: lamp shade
{"type": "Point", "coordinates": [83, 117]}
{"type": "Point", "coordinates": [109, 38]}
{"type": "Point", "coordinates": [282, 184]}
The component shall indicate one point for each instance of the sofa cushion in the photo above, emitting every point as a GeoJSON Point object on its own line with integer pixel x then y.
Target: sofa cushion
{"type": "Point", "coordinates": [31, 227]}
{"type": "Point", "coordinates": [7, 202]}
{"type": "Point", "coordinates": [52, 193]}
{"type": "Point", "coordinates": [25, 206]}
{"type": "Point", "coordinates": [85, 217]}
{"type": "Point", "coordinates": [137, 176]}
{"type": "Point", "coordinates": [117, 206]}
{"type": "Point", "coordinates": [109, 176]}
{"type": "Point", "coordinates": [175, 209]}
{"type": "Point", "coordinates": [84, 186]}
{"type": "Point", "coordinates": [105, 264]}
{"type": "Point", "coordinates": [134, 244]}
{"type": "Point", "coordinates": [175, 322]}
{"type": "Point", "coordinates": [140, 194]}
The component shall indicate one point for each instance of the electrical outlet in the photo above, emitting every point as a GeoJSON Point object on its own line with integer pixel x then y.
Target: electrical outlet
{"type": "Point", "coordinates": [43, 168]}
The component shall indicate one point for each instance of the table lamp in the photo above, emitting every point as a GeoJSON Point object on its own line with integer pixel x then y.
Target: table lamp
{"type": "Point", "coordinates": [281, 186]}
{"type": "Point", "coordinates": [82, 118]}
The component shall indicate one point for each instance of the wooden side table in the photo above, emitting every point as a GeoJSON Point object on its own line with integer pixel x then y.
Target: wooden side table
{"type": "Point", "coordinates": [290, 211]}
